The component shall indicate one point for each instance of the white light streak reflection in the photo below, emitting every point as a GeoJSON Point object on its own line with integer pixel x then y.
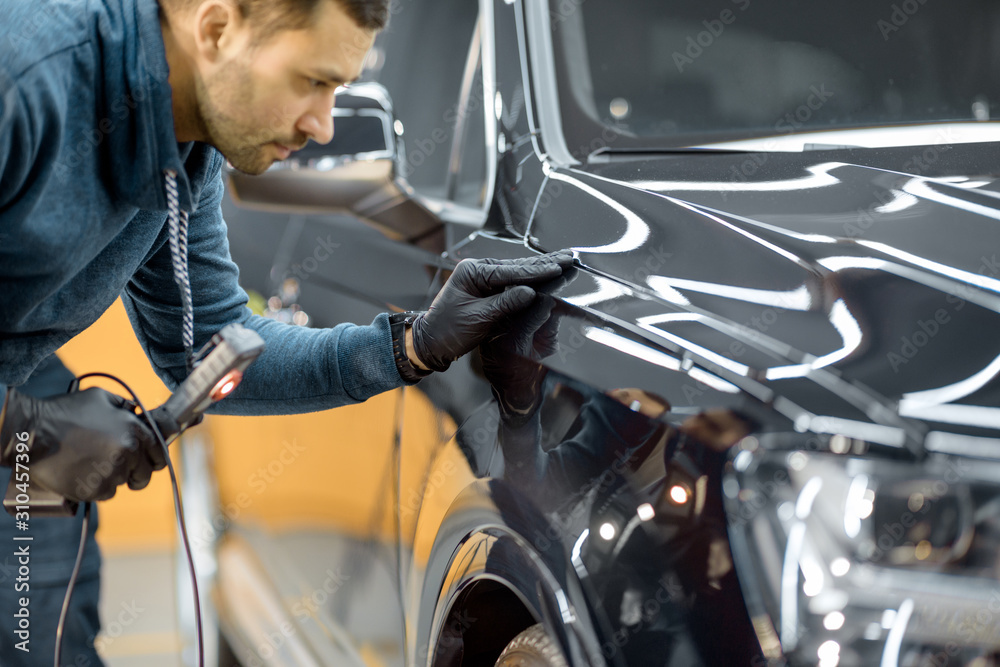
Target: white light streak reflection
{"type": "Point", "coordinates": [818, 177]}
{"type": "Point", "coordinates": [890, 654]}
{"type": "Point", "coordinates": [851, 336]}
{"type": "Point", "coordinates": [854, 507]}
{"type": "Point", "coordinates": [632, 348]}
{"type": "Point", "coordinates": [971, 415]}
{"type": "Point", "coordinates": [648, 323]}
{"type": "Point", "coordinates": [797, 299]}
{"type": "Point", "coordinates": [713, 381]}
{"type": "Point", "coordinates": [850, 333]}
{"type": "Point", "coordinates": [636, 230]}
{"type": "Point", "coordinates": [606, 291]}
{"type": "Point", "coordinates": [920, 188]}
{"type": "Point", "coordinates": [951, 392]}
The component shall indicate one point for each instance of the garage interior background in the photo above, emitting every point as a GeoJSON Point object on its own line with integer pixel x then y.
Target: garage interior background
{"type": "Point", "coordinates": [138, 534]}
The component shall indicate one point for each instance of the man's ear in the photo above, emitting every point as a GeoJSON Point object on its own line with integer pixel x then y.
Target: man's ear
{"type": "Point", "coordinates": [219, 30]}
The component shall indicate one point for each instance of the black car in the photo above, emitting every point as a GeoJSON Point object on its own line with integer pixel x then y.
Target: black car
{"type": "Point", "coordinates": [757, 425]}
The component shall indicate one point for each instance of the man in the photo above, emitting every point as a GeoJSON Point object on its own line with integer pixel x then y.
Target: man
{"type": "Point", "coordinates": [115, 119]}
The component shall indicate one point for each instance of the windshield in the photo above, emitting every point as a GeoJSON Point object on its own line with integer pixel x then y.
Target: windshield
{"type": "Point", "coordinates": [655, 73]}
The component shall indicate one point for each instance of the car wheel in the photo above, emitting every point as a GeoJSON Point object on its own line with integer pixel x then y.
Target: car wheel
{"type": "Point", "coordinates": [531, 648]}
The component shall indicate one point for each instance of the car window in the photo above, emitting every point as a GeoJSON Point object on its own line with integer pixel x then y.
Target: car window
{"type": "Point", "coordinates": [468, 166]}
{"type": "Point", "coordinates": [675, 73]}
{"type": "Point", "coordinates": [421, 59]}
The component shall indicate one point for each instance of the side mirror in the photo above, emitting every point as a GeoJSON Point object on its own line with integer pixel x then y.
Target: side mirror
{"type": "Point", "coordinates": [356, 172]}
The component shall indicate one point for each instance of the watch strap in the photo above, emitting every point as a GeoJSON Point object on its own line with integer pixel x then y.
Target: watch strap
{"type": "Point", "coordinates": [398, 323]}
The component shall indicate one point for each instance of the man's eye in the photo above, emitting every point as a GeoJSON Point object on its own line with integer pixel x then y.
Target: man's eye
{"type": "Point", "coordinates": [316, 83]}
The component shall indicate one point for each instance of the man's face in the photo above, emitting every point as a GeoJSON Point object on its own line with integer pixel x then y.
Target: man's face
{"type": "Point", "coordinates": [258, 103]}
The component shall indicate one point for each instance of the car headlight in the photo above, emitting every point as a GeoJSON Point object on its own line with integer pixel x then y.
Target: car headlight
{"type": "Point", "coordinates": [854, 559]}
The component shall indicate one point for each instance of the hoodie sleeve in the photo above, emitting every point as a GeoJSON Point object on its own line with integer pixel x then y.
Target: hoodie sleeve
{"type": "Point", "coordinates": [27, 114]}
{"type": "Point", "coordinates": [25, 118]}
{"type": "Point", "coordinates": [15, 143]}
{"type": "Point", "coordinates": [300, 370]}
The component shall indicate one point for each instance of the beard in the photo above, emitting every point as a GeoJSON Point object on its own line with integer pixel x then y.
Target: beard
{"type": "Point", "coordinates": [226, 103]}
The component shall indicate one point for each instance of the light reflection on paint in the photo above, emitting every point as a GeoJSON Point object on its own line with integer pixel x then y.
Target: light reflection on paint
{"type": "Point", "coordinates": [713, 381]}
{"type": "Point", "coordinates": [828, 654]}
{"type": "Point", "coordinates": [606, 290]}
{"type": "Point", "coordinates": [810, 238]}
{"type": "Point", "coordinates": [632, 348]}
{"type": "Point", "coordinates": [786, 372]}
{"type": "Point", "coordinates": [670, 294]}
{"type": "Point", "coordinates": [850, 333]}
{"type": "Point", "coordinates": [819, 177]}
{"type": "Point", "coordinates": [797, 299]}
{"type": "Point", "coordinates": [679, 317]}
{"type": "Point", "coordinates": [853, 505]}
{"type": "Point", "coordinates": [972, 415]}
{"type": "Point", "coordinates": [812, 574]}
{"type": "Point", "coordinates": [966, 445]}
{"type": "Point", "coordinates": [851, 428]}
{"type": "Point", "coordinates": [804, 503]}
{"type": "Point", "coordinates": [851, 336]}
{"type": "Point", "coordinates": [951, 392]}
{"type": "Point", "coordinates": [648, 323]}
{"type": "Point", "coordinates": [899, 202]}
{"type": "Point", "coordinates": [890, 654]}
{"type": "Point", "coordinates": [790, 587]}
{"type": "Point", "coordinates": [920, 188]}
{"type": "Point", "coordinates": [636, 230]}
{"type": "Point", "coordinates": [840, 566]}
{"type": "Point", "coordinates": [578, 546]}
{"type": "Point", "coordinates": [714, 216]}
{"type": "Point", "coordinates": [841, 263]}
{"type": "Point", "coordinates": [881, 136]}
{"type": "Point", "coordinates": [931, 274]}
{"type": "Point", "coordinates": [977, 279]}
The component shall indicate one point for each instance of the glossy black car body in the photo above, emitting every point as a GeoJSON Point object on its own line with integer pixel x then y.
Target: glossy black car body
{"type": "Point", "coordinates": [763, 427]}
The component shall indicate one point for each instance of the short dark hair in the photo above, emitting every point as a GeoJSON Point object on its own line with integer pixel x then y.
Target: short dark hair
{"type": "Point", "coordinates": [296, 14]}
{"type": "Point", "coordinates": [274, 16]}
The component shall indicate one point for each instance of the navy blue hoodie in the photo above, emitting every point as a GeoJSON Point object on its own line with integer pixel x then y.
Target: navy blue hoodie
{"type": "Point", "coordinates": [86, 134]}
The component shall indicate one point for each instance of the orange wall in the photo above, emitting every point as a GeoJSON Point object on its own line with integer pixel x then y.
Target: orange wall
{"type": "Point", "coordinates": [132, 520]}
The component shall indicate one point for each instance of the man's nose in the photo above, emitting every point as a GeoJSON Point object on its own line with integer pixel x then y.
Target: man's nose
{"type": "Point", "coordinates": [317, 123]}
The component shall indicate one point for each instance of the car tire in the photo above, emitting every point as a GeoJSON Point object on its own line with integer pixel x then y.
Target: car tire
{"type": "Point", "coordinates": [531, 648]}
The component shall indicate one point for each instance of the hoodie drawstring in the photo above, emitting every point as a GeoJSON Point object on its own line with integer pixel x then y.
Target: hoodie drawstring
{"type": "Point", "coordinates": [177, 223]}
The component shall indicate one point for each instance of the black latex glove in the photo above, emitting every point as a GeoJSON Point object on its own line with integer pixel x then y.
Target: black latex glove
{"type": "Point", "coordinates": [475, 299]}
{"type": "Point", "coordinates": [510, 361]}
{"type": "Point", "coordinates": [81, 445]}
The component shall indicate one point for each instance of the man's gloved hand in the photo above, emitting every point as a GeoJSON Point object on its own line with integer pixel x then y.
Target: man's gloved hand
{"type": "Point", "coordinates": [474, 299]}
{"type": "Point", "coordinates": [510, 361]}
{"type": "Point", "coordinates": [80, 445]}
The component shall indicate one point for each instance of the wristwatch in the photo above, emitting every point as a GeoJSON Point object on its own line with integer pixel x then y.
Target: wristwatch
{"type": "Point", "coordinates": [398, 324]}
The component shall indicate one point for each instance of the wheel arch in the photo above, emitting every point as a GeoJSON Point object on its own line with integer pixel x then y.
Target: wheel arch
{"type": "Point", "coordinates": [492, 551]}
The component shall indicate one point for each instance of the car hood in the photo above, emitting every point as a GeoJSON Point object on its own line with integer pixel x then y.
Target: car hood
{"type": "Point", "coordinates": [873, 267]}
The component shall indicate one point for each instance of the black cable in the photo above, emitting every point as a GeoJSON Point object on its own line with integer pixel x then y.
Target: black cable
{"type": "Point", "coordinates": [180, 519]}
{"type": "Point", "coordinates": [72, 580]}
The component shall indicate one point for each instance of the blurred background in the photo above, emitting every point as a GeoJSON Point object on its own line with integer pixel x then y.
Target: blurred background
{"type": "Point", "coordinates": [138, 533]}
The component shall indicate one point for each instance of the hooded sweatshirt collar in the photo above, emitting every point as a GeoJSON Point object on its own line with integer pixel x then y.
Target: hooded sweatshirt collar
{"type": "Point", "coordinates": [142, 144]}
